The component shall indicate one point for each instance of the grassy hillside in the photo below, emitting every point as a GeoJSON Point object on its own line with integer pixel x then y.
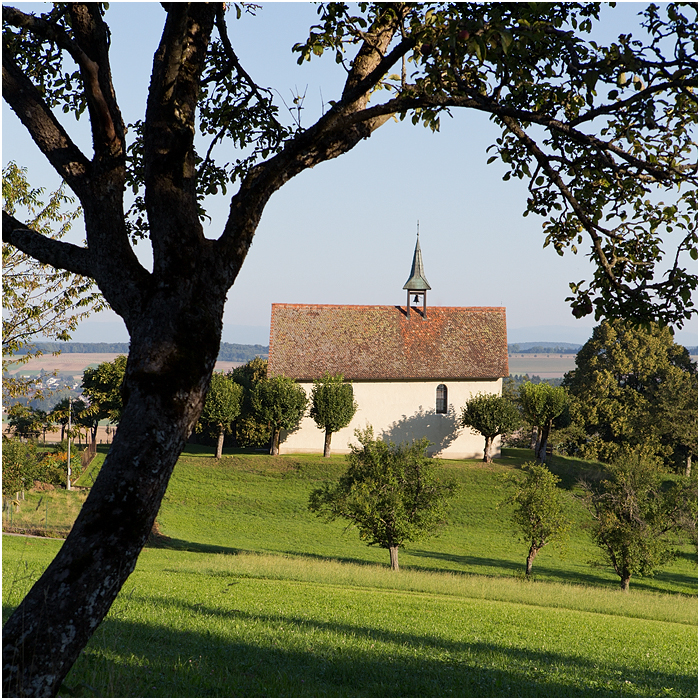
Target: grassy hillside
{"type": "Point", "coordinates": [246, 593]}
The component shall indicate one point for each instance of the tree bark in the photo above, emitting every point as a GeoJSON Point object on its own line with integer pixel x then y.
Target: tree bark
{"type": "Point", "coordinates": [487, 449]}
{"type": "Point", "coordinates": [165, 386]}
{"type": "Point", "coordinates": [394, 557]}
{"type": "Point", "coordinates": [220, 444]}
{"type": "Point", "coordinates": [275, 442]}
{"type": "Point", "coordinates": [625, 583]}
{"type": "Point", "coordinates": [327, 444]}
{"type": "Point", "coordinates": [542, 446]}
{"type": "Point", "coordinates": [530, 558]}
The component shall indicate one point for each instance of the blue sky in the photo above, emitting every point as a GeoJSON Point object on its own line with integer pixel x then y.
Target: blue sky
{"type": "Point", "coordinates": [344, 232]}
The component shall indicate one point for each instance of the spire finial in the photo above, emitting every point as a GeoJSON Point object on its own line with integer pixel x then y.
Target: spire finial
{"type": "Point", "coordinates": [418, 228]}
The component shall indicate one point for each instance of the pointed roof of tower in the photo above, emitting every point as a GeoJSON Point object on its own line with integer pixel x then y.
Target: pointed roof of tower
{"type": "Point", "coordinates": [417, 282]}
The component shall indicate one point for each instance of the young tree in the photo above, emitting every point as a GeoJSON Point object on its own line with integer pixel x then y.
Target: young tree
{"type": "Point", "coordinates": [222, 407]}
{"type": "Point", "coordinates": [333, 406]}
{"type": "Point", "coordinates": [102, 386]}
{"type": "Point", "coordinates": [19, 462]}
{"type": "Point", "coordinates": [37, 300]}
{"type": "Point", "coordinates": [538, 516]}
{"type": "Point", "coordinates": [635, 515]}
{"type": "Point", "coordinates": [390, 493]}
{"type": "Point", "coordinates": [248, 430]}
{"type": "Point", "coordinates": [280, 403]}
{"type": "Point", "coordinates": [79, 413]}
{"type": "Point", "coordinates": [542, 404]}
{"type": "Point", "coordinates": [603, 135]}
{"type": "Point", "coordinates": [24, 421]}
{"type": "Point", "coordinates": [635, 387]}
{"type": "Point", "coordinates": [490, 415]}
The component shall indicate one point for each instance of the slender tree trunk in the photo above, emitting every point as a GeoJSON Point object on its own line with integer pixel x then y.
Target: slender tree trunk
{"type": "Point", "coordinates": [688, 464]}
{"type": "Point", "coordinates": [220, 444]}
{"type": "Point", "coordinates": [542, 447]}
{"type": "Point", "coordinates": [394, 557]}
{"type": "Point", "coordinates": [327, 444]}
{"type": "Point", "coordinates": [487, 449]}
{"type": "Point", "coordinates": [275, 443]}
{"type": "Point", "coordinates": [170, 364]}
{"type": "Point", "coordinates": [530, 558]}
{"type": "Point", "coordinates": [534, 438]}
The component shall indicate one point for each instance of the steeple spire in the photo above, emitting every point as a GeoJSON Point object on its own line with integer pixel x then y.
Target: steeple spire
{"type": "Point", "coordinates": [417, 284]}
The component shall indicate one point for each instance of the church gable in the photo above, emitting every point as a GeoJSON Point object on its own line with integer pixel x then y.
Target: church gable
{"type": "Point", "coordinates": [379, 343]}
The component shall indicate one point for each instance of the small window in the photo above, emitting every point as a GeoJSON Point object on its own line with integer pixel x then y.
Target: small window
{"type": "Point", "coordinates": [441, 399]}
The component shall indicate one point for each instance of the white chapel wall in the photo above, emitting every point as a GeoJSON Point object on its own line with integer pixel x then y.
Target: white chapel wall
{"type": "Point", "coordinates": [402, 411]}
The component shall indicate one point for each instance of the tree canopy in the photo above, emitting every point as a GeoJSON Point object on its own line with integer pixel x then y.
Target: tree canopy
{"type": "Point", "coordinates": [102, 386]}
{"type": "Point", "coordinates": [634, 387]}
{"type": "Point", "coordinates": [542, 404]}
{"type": "Point", "coordinates": [636, 514]}
{"type": "Point", "coordinates": [280, 403]}
{"type": "Point", "coordinates": [222, 407]}
{"type": "Point", "coordinates": [603, 134]}
{"type": "Point", "coordinates": [333, 406]}
{"type": "Point", "coordinates": [538, 513]}
{"type": "Point", "coordinates": [490, 415]}
{"type": "Point", "coordinates": [37, 300]}
{"type": "Point", "coordinates": [390, 493]}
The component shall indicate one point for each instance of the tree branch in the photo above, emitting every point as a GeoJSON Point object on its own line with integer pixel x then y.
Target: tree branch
{"type": "Point", "coordinates": [26, 102]}
{"type": "Point", "coordinates": [170, 172]}
{"type": "Point", "coordinates": [104, 131]}
{"type": "Point", "coordinates": [48, 251]}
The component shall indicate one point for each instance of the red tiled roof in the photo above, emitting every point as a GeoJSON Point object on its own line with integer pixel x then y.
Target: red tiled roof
{"type": "Point", "coordinates": [378, 342]}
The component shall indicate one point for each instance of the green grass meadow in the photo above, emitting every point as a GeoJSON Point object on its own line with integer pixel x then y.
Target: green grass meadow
{"type": "Point", "coordinates": [246, 593]}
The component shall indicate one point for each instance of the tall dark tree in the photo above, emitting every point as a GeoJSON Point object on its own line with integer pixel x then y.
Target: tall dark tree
{"type": "Point", "coordinates": [601, 133]}
{"type": "Point", "coordinates": [635, 387]}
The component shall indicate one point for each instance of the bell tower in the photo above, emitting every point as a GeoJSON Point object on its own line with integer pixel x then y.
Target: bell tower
{"type": "Point", "coordinates": [417, 284]}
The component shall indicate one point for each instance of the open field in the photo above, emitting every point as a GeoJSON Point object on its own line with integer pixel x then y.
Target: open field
{"type": "Point", "coordinates": [246, 593]}
{"type": "Point", "coordinates": [76, 363]}
{"type": "Point", "coordinates": [546, 366]}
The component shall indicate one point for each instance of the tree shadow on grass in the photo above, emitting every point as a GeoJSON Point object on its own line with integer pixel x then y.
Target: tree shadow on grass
{"type": "Point", "coordinates": [556, 574]}
{"type": "Point", "coordinates": [320, 658]}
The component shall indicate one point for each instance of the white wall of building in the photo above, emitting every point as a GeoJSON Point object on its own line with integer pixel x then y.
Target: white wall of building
{"type": "Point", "coordinates": [401, 412]}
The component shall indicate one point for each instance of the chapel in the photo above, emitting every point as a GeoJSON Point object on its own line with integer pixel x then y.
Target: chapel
{"type": "Point", "coordinates": [412, 367]}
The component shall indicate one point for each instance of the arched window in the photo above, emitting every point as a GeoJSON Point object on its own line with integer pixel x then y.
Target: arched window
{"type": "Point", "coordinates": [441, 399]}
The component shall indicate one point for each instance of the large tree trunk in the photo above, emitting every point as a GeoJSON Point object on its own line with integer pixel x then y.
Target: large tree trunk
{"type": "Point", "coordinates": [394, 557]}
{"type": "Point", "coordinates": [220, 444]}
{"type": "Point", "coordinates": [625, 583]}
{"type": "Point", "coordinates": [487, 449]}
{"type": "Point", "coordinates": [164, 391]}
{"type": "Point", "coordinates": [327, 444]}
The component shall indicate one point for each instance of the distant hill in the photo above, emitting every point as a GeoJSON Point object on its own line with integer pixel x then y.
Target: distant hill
{"type": "Point", "coordinates": [560, 348]}
{"type": "Point", "coordinates": [229, 352]}
{"type": "Point", "coordinates": [563, 348]}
